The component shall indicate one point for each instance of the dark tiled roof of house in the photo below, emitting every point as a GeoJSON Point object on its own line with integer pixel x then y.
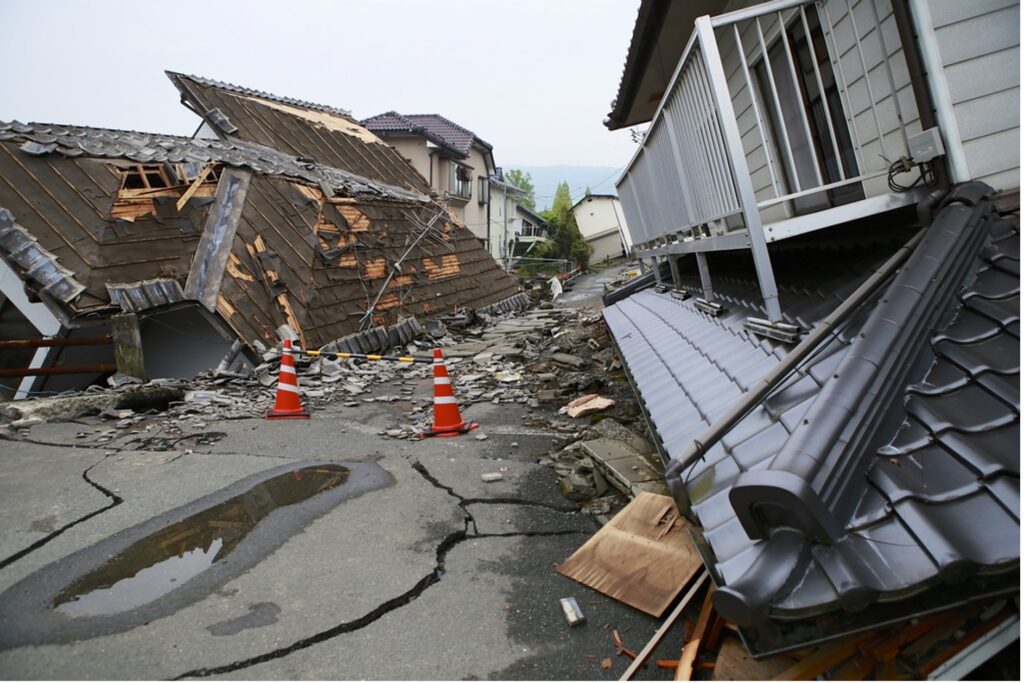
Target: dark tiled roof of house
{"type": "Point", "coordinates": [303, 129]}
{"type": "Point", "coordinates": [154, 148]}
{"type": "Point", "coordinates": [242, 90]}
{"type": "Point", "coordinates": [318, 234]}
{"type": "Point", "coordinates": [435, 127]}
{"type": "Point", "coordinates": [902, 427]}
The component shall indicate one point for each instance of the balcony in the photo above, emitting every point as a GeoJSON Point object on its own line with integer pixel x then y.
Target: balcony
{"type": "Point", "coordinates": [780, 119]}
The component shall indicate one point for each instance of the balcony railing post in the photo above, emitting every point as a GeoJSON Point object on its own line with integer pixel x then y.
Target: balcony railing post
{"type": "Point", "coordinates": [705, 276]}
{"type": "Point", "coordinates": [738, 162]}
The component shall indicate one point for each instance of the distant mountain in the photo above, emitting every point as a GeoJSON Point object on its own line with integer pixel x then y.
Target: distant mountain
{"type": "Point", "coordinates": [600, 179]}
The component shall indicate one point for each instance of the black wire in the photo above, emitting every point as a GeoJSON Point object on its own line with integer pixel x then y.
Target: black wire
{"type": "Point", "coordinates": [926, 176]}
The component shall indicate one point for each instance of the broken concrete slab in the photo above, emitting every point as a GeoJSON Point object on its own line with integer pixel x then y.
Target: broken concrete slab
{"type": "Point", "coordinates": [624, 468]}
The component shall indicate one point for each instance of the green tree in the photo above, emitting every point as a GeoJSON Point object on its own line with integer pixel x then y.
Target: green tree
{"type": "Point", "coordinates": [524, 182]}
{"type": "Point", "coordinates": [565, 242]}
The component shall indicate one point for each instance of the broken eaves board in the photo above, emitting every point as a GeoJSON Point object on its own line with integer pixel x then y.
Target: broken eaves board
{"type": "Point", "coordinates": [643, 557]}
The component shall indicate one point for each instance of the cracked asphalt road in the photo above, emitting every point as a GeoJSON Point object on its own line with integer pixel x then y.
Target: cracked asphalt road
{"type": "Point", "coordinates": [436, 575]}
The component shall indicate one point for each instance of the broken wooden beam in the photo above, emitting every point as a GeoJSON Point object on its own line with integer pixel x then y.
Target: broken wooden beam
{"type": "Point", "coordinates": [60, 341]}
{"type": "Point", "coordinates": [663, 630]}
{"type": "Point", "coordinates": [691, 649]}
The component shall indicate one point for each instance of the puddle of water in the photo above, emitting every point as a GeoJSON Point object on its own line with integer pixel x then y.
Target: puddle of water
{"type": "Point", "coordinates": [164, 560]}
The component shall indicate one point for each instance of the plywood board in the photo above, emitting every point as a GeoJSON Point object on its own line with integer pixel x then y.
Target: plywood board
{"type": "Point", "coordinates": [643, 557]}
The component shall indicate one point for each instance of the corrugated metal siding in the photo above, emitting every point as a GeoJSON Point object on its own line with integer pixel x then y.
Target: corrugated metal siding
{"type": "Point", "coordinates": [980, 46]}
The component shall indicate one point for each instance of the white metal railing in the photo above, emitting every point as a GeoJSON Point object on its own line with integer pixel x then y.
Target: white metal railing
{"type": "Point", "coordinates": [783, 102]}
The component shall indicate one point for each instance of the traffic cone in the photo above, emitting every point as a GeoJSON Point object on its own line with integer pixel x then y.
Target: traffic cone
{"type": "Point", "coordinates": [288, 404]}
{"type": "Point", "coordinates": [447, 420]}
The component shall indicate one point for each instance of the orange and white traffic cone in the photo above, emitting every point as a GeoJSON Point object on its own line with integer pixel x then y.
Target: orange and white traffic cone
{"type": "Point", "coordinates": [447, 420]}
{"type": "Point", "coordinates": [288, 404]}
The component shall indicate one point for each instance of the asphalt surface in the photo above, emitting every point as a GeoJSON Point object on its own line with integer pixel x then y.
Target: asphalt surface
{"type": "Point", "coordinates": [428, 573]}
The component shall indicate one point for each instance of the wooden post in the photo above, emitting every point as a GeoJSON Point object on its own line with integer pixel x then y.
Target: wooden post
{"type": "Point", "coordinates": [124, 329]}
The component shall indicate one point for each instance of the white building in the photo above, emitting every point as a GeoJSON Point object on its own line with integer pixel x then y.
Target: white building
{"type": "Point", "coordinates": [603, 225]}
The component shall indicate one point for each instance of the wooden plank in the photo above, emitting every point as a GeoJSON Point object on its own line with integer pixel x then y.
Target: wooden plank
{"type": "Point", "coordinates": [684, 671]}
{"type": "Point", "coordinates": [824, 658]}
{"type": "Point", "coordinates": [659, 635]}
{"type": "Point", "coordinates": [734, 663]}
{"type": "Point", "coordinates": [973, 635]}
{"type": "Point", "coordinates": [692, 648]}
{"type": "Point", "coordinates": [635, 562]}
{"type": "Point", "coordinates": [200, 179]}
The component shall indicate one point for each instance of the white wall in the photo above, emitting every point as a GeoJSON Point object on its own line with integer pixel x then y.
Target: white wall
{"type": "Point", "coordinates": [979, 41]}
{"type": "Point", "coordinates": [595, 217]}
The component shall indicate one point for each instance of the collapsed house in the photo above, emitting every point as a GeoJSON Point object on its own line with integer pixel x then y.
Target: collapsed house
{"type": "Point", "coordinates": [828, 349]}
{"type": "Point", "coordinates": [194, 246]}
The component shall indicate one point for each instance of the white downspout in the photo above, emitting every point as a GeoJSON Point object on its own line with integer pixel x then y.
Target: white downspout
{"type": "Point", "coordinates": [922, 17]}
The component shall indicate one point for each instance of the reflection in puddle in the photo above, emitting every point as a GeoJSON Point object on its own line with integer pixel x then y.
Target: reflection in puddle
{"type": "Point", "coordinates": [165, 560]}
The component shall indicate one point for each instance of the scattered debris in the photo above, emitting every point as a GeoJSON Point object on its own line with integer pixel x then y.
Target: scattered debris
{"type": "Point", "coordinates": [586, 405]}
{"type": "Point", "coordinates": [491, 476]}
{"type": "Point", "coordinates": [572, 611]}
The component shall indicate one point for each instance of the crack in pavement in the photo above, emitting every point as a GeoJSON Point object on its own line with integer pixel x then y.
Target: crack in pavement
{"type": "Point", "coordinates": [115, 501]}
{"type": "Point", "coordinates": [519, 501]}
{"type": "Point", "coordinates": [447, 544]}
{"type": "Point", "coordinates": [87, 446]}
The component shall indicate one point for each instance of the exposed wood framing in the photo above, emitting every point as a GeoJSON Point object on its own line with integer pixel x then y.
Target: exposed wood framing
{"type": "Point", "coordinates": [194, 187]}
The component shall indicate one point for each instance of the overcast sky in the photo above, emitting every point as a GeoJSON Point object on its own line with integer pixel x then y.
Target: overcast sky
{"type": "Point", "coordinates": [535, 78]}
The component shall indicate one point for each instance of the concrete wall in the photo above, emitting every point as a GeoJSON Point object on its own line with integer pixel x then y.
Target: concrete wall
{"type": "Point", "coordinates": [979, 41]}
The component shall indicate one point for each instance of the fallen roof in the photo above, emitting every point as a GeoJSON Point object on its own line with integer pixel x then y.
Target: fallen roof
{"type": "Point", "coordinates": [303, 129]}
{"type": "Point", "coordinates": [885, 465]}
{"type": "Point", "coordinates": [434, 127]}
{"type": "Point", "coordinates": [254, 235]}
{"type": "Point", "coordinates": [155, 148]}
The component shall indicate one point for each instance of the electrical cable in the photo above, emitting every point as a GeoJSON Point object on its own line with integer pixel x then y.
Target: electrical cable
{"type": "Point", "coordinates": [926, 175]}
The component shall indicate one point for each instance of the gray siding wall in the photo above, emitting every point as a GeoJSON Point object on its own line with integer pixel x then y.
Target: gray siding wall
{"type": "Point", "coordinates": [979, 41]}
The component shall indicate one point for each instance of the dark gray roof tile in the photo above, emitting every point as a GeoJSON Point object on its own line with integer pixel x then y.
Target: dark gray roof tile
{"type": "Point", "coordinates": [948, 465]}
{"type": "Point", "coordinates": [156, 148]}
{"type": "Point", "coordinates": [985, 452]}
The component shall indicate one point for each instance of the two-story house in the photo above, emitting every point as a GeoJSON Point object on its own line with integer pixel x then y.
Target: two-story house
{"type": "Point", "coordinates": [456, 163]}
{"type": "Point", "coordinates": [828, 194]}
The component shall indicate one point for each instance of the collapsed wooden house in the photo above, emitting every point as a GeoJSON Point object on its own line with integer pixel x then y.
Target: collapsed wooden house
{"type": "Point", "coordinates": [198, 243]}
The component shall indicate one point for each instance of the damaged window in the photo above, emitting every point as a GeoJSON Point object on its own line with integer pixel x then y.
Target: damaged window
{"type": "Point", "coordinates": [460, 180]}
{"type": "Point", "coordinates": [146, 177]}
{"type": "Point", "coordinates": [143, 184]}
